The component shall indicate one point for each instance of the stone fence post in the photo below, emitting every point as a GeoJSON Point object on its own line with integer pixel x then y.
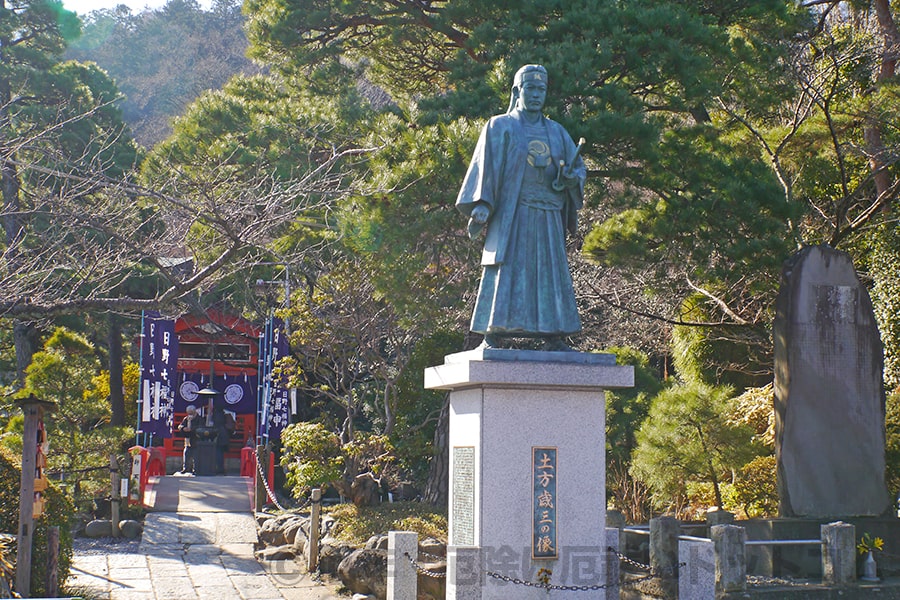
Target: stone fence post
{"type": "Point", "coordinates": [613, 569]}
{"type": "Point", "coordinates": [402, 578]}
{"type": "Point", "coordinates": [838, 553]}
{"type": "Point", "coordinates": [664, 533]}
{"type": "Point", "coordinates": [731, 559]}
{"type": "Point", "coordinates": [697, 576]}
{"type": "Point", "coordinates": [717, 516]}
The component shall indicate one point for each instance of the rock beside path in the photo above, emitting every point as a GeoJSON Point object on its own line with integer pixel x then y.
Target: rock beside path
{"type": "Point", "coordinates": [361, 570]}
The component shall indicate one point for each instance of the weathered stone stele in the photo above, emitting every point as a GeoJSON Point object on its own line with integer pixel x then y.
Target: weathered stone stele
{"type": "Point", "coordinates": [829, 395]}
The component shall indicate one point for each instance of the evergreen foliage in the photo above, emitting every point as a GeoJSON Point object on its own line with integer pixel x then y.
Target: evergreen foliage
{"type": "Point", "coordinates": [688, 442]}
{"type": "Point", "coordinates": [704, 354]}
{"type": "Point", "coordinates": [311, 457]}
{"type": "Point", "coordinates": [883, 268]}
{"type": "Point", "coordinates": [164, 59]}
{"type": "Point", "coordinates": [892, 443]}
{"type": "Point", "coordinates": [626, 409]}
{"type": "Point", "coordinates": [64, 373]}
{"type": "Point", "coordinates": [720, 138]}
{"type": "Point", "coordinates": [58, 513]}
{"type": "Point", "coordinates": [418, 410]}
{"type": "Point", "coordinates": [357, 524]}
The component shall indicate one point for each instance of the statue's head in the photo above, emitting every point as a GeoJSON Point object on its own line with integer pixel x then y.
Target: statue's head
{"type": "Point", "coordinates": [527, 76]}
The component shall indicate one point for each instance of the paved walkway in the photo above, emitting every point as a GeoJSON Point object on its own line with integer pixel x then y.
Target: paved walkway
{"type": "Point", "coordinates": [198, 543]}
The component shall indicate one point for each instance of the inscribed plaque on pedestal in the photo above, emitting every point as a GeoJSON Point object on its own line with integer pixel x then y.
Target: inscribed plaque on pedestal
{"type": "Point", "coordinates": [544, 476]}
{"type": "Point", "coordinates": [463, 499]}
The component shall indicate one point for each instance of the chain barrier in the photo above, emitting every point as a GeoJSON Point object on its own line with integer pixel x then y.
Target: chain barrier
{"type": "Point", "coordinates": [651, 574]}
{"type": "Point", "coordinates": [269, 491]}
{"type": "Point", "coordinates": [550, 586]}
{"type": "Point", "coordinates": [420, 569]}
{"type": "Point", "coordinates": [665, 573]}
{"type": "Point", "coordinates": [429, 556]}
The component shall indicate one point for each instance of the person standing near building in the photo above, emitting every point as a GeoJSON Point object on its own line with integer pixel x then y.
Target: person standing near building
{"type": "Point", "coordinates": [188, 428]}
{"type": "Point", "coordinates": [223, 423]}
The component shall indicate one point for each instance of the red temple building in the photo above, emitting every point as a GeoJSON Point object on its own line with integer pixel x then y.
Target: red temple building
{"type": "Point", "coordinates": [220, 351]}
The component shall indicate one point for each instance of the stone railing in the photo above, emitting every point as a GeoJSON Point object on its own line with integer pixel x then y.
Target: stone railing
{"type": "Point", "coordinates": [718, 564]}
{"type": "Point", "coordinates": [468, 570]}
{"type": "Point", "coordinates": [683, 566]}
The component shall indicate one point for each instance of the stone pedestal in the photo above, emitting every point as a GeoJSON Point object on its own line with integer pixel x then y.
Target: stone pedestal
{"type": "Point", "coordinates": [527, 469]}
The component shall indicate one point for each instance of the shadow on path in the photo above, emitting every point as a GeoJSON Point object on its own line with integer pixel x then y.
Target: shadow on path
{"type": "Point", "coordinates": [198, 542]}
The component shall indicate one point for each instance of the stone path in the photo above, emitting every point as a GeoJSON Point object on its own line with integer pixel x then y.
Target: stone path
{"type": "Point", "coordinates": [198, 543]}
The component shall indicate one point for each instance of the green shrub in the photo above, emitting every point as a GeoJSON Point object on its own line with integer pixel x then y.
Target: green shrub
{"type": "Point", "coordinates": [311, 457]}
{"type": "Point", "coordinates": [754, 491]}
{"type": "Point", "coordinates": [58, 513]}
{"type": "Point", "coordinates": [892, 443]}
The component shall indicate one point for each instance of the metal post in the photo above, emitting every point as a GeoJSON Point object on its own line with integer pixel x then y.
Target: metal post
{"type": "Point", "coordinates": [313, 563]}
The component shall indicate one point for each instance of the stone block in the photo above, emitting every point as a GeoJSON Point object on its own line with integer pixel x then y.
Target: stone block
{"type": "Point", "coordinates": [527, 464]}
{"type": "Point", "coordinates": [98, 528]}
{"type": "Point", "coordinates": [402, 577]}
{"type": "Point", "coordinates": [829, 391]}
{"type": "Point", "coordinates": [731, 559]}
{"type": "Point", "coordinates": [838, 553]}
{"type": "Point", "coordinates": [130, 529]}
{"type": "Point", "coordinates": [697, 575]}
{"type": "Point", "coordinates": [465, 577]}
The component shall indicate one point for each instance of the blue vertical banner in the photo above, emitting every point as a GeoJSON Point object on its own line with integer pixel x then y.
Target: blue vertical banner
{"type": "Point", "coordinates": [275, 397]}
{"type": "Point", "coordinates": [159, 359]}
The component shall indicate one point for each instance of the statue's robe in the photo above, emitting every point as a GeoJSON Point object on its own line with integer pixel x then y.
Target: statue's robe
{"type": "Point", "coordinates": [526, 287]}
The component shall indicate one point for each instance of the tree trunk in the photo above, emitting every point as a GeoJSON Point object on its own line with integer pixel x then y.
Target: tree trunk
{"type": "Point", "coordinates": [872, 132]}
{"type": "Point", "coordinates": [347, 431]}
{"type": "Point", "coordinates": [714, 479]}
{"type": "Point", "coordinates": [390, 418]}
{"type": "Point", "coordinates": [116, 391]}
{"type": "Point", "coordinates": [437, 492]}
{"type": "Point", "coordinates": [24, 341]}
{"type": "Point", "coordinates": [12, 222]}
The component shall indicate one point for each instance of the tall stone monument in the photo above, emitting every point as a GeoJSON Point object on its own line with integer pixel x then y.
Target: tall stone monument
{"type": "Point", "coordinates": [527, 427]}
{"type": "Point", "coordinates": [829, 393]}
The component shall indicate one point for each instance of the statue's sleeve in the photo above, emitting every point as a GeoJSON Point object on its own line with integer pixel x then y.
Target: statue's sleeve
{"type": "Point", "coordinates": [478, 185]}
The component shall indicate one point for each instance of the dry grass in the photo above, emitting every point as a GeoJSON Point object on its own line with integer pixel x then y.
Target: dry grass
{"type": "Point", "coordinates": [358, 524]}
